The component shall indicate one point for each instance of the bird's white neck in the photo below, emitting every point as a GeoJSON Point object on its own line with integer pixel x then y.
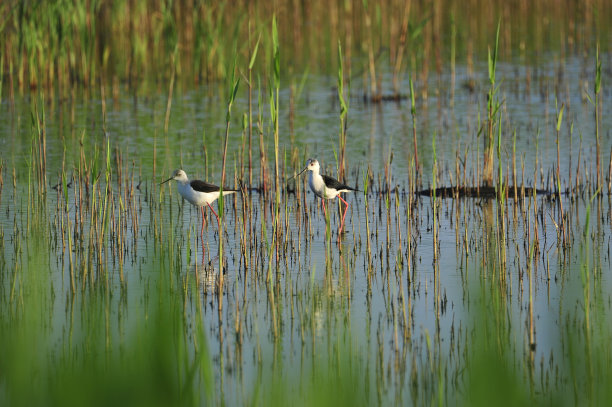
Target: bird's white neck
{"type": "Point", "coordinates": [316, 183]}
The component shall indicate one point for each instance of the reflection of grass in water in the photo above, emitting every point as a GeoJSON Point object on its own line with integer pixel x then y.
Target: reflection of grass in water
{"type": "Point", "coordinates": [333, 380]}
{"type": "Point", "coordinates": [492, 378]}
{"type": "Point", "coordinates": [503, 369]}
{"type": "Point", "coordinates": [160, 359]}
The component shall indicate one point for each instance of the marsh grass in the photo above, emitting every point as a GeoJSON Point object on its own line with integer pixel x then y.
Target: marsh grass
{"type": "Point", "coordinates": [493, 109]}
{"type": "Point", "coordinates": [105, 299]}
{"type": "Point", "coordinates": [139, 45]}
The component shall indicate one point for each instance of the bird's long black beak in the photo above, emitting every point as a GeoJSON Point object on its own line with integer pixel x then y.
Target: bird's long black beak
{"type": "Point", "coordinates": [296, 175]}
{"type": "Point", "coordinates": [169, 179]}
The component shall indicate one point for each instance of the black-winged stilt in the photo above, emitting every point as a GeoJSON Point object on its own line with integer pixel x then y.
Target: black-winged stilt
{"type": "Point", "coordinates": [198, 193]}
{"type": "Point", "coordinates": [325, 187]}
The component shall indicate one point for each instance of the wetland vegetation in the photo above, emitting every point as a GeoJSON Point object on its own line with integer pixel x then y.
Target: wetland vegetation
{"type": "Point", "coordinates": [475, 263]}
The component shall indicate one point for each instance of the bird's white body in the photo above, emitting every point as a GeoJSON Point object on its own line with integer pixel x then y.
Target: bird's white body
{"type": "Point", "coordinates": [198, 193]}
{"type": "Point", "coordinates": [323, 189]}
{"type": "Point", "coordinates": [317, 185]}
{"type": "Point", "coordinates": [194, 197]}
{"type": "Point", "coordinates": [198, 198]}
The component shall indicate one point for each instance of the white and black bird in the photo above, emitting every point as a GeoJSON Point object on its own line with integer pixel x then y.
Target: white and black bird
{"type": "Point", "coordinates": [325, 187]}
{"type": "Point", "coordinates": [198, 193]}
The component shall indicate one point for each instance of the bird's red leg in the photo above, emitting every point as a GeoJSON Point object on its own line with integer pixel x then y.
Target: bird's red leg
{"type": "Point", "coordinates": [344, 215]}
{"type": "Point", "coordinates": [323, 205]}
{"type": "Point", "coordinates": [202, 230]}
{"type": "Point", "coordinates": [217, 216]}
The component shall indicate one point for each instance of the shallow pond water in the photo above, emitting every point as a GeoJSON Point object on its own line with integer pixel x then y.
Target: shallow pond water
{"type": "Point", "coordinates": [402, 297]}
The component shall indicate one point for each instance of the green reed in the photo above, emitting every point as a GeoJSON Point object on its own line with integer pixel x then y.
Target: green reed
{"type": "Point", "coordinates": [596, 97]}
{"type": "Point", "coordinates": [275, 105]}
{"type": "Point", "coordinates": [231, 97]}
{"type": "Point", "coordinates": [1, 74]}
{"type": "Point", "coordinates": [343, 114]}
{"type": "Point", "coordinates": [493, 107]}
{"type": "Point", "coordinates": [414, 126]}
{"type": "Point", "coordinates": [558, 173]}
{"type": "Point", "coordinates": [250, 85]}
{"type": "Point", "coordinates": [435, 234]}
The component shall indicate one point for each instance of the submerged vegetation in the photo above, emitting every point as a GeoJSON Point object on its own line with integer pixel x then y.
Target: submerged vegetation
{"type": "Point", "coordinates": [475, 265]}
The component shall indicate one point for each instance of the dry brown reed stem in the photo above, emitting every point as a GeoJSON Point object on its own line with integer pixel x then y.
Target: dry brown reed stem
{"type": "Point", "coordinates": [578, 183]}
{"type": "Point", "coordinates": [131, 35]}
{"type": "Point", "coordinates": [596, 91]}
{"type": "Point", "coordinates": [39, 148]}
{"type": "Point", "coordinates": [399, 54]}
{"type": "Point", "coordinates": [103, 103]}
{"type": "Point", "coordinates": [250, 130]}
{"type": "Point", "coordinates": [170, 91]}
{"type": "Point", "coordinates": [609, 175]}
{"type": "Point", "coordinates": [263, 169]}
{"type": "Point", "coordinates": [374, 91]}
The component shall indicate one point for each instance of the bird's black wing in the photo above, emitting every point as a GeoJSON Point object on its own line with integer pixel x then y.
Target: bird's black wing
{"type": "Point", "coordinates": [202, 186]}
{"type": "Point", "coordinates": [334, 183]}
